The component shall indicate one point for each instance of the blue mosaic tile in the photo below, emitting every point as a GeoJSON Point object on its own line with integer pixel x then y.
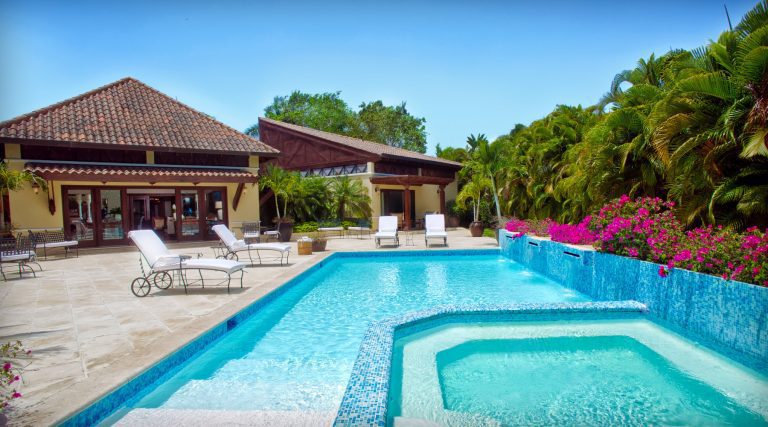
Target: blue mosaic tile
{"type": "Point", "coordinates": [367, 393]}
{"type": "Point", "coordinates": [727, 315]}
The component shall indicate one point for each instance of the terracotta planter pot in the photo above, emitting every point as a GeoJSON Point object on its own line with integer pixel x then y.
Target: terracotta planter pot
{"type": "Point", "coordinates": [476, 228]}
{"type": "Point", "coordinates": [319, 245]}
{"type": "Point", "coordinates": [286, 230]}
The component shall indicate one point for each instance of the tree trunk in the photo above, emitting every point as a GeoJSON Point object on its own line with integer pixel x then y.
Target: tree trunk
{"type": "Point", "coordinates": [496, 200]}
{"type": "Point", "coordinates": [277, 207]}
{"type": "Point", "coordinates": [2, 212]}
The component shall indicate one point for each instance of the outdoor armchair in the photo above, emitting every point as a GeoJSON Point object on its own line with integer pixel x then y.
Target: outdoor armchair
{"type": "Point", "coordinates": [232, 246]}
{"type": "Point", "coordinates": [434, 228]}
{"type": "Point", "coordinates": [163, 263]}
{"type": "Point", "coordinates": [18, 251]}
{"type": "Point", "coordinates": [51, 239]}
{"type": "Point", "coordinates": [387, 230]}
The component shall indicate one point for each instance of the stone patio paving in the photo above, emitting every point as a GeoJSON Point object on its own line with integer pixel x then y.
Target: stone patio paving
{"type": "Point", "coordinates": [89, 334]}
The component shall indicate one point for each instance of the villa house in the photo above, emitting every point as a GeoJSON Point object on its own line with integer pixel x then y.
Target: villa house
{"type": "Point", "coordinates": [125, 157]}
{"type": "Point", "coordinates": [400, 182]}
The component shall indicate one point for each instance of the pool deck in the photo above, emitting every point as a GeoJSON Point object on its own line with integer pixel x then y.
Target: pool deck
{"type": "Point", "coordinates": [89, 334]}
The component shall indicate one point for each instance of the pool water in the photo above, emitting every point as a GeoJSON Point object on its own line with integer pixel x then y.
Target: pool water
{"type": "Point", "coordinates": [297, 353]}
{"type": "Point", "coordinates": [609, 372]}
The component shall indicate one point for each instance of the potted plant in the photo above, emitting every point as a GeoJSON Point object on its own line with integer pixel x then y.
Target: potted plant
{"type": "Point", "coordinates": [454, 214]}
{"type": "Point", "coordinates": [318, 242]}
{"type": "Point", "coordinates": [284, 185]}
{"type": "Point", "coordinates": [472, 193]}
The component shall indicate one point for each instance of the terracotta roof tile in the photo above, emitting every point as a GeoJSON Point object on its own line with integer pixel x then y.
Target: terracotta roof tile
{"type": "Point", "coordinates": [88, 172]}
{"type": "Point", "coordinates": [361, 144]}
{"type": "Point", "coordinates": [129, 113]}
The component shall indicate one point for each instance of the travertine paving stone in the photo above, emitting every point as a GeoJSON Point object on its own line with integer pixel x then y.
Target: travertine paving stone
{"type": "Point", "coordinates": [89, 334]}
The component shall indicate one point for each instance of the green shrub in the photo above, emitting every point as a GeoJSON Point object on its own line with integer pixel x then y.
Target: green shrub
{"type": "Point", "coordinates": [305, 227]}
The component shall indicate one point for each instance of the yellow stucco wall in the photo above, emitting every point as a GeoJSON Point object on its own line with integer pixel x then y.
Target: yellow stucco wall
{"type": "Point", "coordinates": [30, 210]}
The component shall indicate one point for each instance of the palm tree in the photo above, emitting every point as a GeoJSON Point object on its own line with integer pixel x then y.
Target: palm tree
{"type": "Point", "coordinates": [15, 180]}
{"type": "Point", "coordinates": [283, 184]}
{"type": "Point", "coordinates": [487, 161]}
{"type": "Point", "coordinates": [350, 197]}
{"type": "Point", "coordinates": [473, 192]}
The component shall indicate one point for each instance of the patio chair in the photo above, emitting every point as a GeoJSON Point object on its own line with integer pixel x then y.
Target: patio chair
{"type": "Point", "coordinates": [387, 230]}
{"type": "Point", "coordinates": [162, 263]}
{"type": "Point", "coordinates": [18, 251]}
{"type": "Point", "coordinates": [333, 226]}
{"type": "Point", "coordinates": [434, 228]}
{"type": "Point", "coordinates": [363, 226]}
{"type": "Point", "coordinates": [232, 246]}
{"type": "Point", "coordinates": [51, 239]}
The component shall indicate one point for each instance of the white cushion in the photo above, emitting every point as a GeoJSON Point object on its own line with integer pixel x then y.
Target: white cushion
{"type": "Point", "coordinates": [388, 224]}
{"type": "Point", "coordinates": [330, 228]}
{"type": "Point", "coordinates": [225, 235]}
{"type": "Point", "coordinates": [358, 228]}
{"type": "Point", "coordinates": [436, 234]}
{"type": "Point", "coordinates": [434, 222]}
{"type": "Point", "coordinates": [150, 245]}
{"type": "Point", "coordinates": [16, 257]}
{"type": "Point", "coordinates": [223, 265]}
{"type": "Point", "coordinates": [386, 234]}
{"type": "Point", "coordinates": [270, 247]}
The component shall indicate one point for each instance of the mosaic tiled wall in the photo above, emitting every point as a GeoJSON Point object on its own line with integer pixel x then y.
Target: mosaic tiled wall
{"type": "Point", "coordinates": [733, 315]}
{"type": "Point", "coordinates": [367, 393]}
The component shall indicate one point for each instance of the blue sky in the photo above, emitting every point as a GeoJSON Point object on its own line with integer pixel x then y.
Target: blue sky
{"type": "Point", "coordinates": [467, 67]}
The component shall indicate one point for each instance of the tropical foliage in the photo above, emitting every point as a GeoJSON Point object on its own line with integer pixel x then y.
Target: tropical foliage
{"type": "Point", "coordinates": [687, 126]}
{"type": "Point", "coordinates": [648, 229]}
{"type": "Point", "coordinates": [374, 121]}
{"type": "Point", "coordinates": [313, 198]}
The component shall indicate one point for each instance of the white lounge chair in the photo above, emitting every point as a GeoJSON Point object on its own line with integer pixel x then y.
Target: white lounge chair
{"type": "Point", "coordinates": [387, 230]}
{"type": "Point", "coordinates": [162, 263]}
{"type": "Point", "coordinates": [232, 246]}
{"type": "Point", "coordinates": [434, 228]}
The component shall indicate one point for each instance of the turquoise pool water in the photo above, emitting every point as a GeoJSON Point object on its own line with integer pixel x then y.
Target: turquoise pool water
{"type": "Point", "coordinates": [609, 372]}
{"type": "Point", "coordinates": [297, 353]}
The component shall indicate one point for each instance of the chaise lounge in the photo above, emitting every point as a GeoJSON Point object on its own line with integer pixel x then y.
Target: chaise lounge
{"type": "Point", "coordinates": [162, 263]}
{"type": "Point", "coordinates": [387, 230]}
{"type": "Point", "coordinates": [434, 228]}
{"type": "Point", "coordinates": [51, 239]}
{"type": "Point", "coordinates": [232, 246]}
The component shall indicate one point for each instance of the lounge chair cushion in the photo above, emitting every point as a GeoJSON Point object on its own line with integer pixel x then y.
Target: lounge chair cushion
{"type": "Point", "coordinates": [12, 257]}
{"type": "Point", "coordinates": [62, 244]}
{"type": "Point", "coordinates": [386, 235]}
{"type": "Point", "coordinates": [281, 247]}
{"type": "Point", "coordinates": [224, 265]}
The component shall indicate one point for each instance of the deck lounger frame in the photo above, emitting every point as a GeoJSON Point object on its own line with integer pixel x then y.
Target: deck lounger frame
{"type": "Point", "coordinates": [162, 264]}
{"type": "Point", "coordinates": [232, 246]}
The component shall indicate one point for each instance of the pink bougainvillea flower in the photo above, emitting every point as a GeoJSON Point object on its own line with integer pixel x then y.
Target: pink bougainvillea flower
{"type": "Point", "coordinates": [663, 271]}
{"type": "Point", "coordinates": [7, 366]}
{"type": "Point", "coordinates": [15, 395]}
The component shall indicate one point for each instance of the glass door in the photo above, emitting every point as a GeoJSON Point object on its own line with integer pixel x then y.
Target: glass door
{"type": "Point", "coordinates": [214, 211]}
{"type": "Point", "coordinates": [79, 218]}
{"type": "Point", "coordinates": [190, 215]}
{"type": "Point", "coordinates": [111, 216]}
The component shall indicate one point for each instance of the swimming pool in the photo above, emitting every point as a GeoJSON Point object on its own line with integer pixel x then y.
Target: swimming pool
{"type": "Point", "coordinates": [296, 353]}
{"type": "Point", "coordinates": [571, 371]}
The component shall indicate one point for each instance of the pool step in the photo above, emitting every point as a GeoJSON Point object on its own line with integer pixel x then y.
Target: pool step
{"type": "Point", "coordinates": [205, 418]}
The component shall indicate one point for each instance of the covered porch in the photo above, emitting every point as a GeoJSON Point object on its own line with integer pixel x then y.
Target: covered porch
{"type": "Point", "coordinates": [410, 197]}
{"type": "Point", "coordinates": [99, 204]}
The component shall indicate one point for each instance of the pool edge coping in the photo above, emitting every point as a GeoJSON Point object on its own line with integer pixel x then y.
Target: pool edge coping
{"type": "Point", "coordinates": [103, 406]}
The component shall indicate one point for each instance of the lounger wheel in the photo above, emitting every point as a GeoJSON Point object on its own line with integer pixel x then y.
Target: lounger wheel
{"type": "Point", "coordinates": [140, 287]}
{"type": "Point", "coordinates": [162, 280]}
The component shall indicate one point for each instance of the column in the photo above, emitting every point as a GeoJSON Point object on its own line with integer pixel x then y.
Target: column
{"type": "Point", "coordinates": [441, 192]}
{"type": "Point", "coordinates": [407, 208]}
